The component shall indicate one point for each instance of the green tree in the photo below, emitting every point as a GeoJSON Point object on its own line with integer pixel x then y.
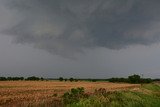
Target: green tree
{"type": "Point", "coordinates": [65, 79]}
{"type": "Point", "coordinates": [71, 79]}
{"type": "Point", "coordinates": [60, 78]}
{"type": "Point", "coordinates": [134, 78]}
{"type": "Point", "coordinates": [41, 78]}
{"type": "Point", "coordinates": [33, 78]}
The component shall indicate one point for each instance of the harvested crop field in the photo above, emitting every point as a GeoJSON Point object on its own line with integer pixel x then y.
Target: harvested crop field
{"type": "Point", "coordinates": [26, 92]}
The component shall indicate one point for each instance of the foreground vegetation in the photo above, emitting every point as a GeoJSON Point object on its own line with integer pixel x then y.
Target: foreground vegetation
{"type": "Point", "coordinates": [147, 96]}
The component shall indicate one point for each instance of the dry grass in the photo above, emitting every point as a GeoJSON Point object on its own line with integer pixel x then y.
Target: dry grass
{"type": "Point", "coordinates": [35, 92]}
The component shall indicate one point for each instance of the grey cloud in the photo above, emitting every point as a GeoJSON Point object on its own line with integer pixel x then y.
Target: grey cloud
{"type": "Point", "coordinates": [66, 27]}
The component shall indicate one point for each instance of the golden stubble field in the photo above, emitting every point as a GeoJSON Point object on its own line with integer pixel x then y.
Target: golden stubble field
{"type": "Point", "coordinates": [14, 92]}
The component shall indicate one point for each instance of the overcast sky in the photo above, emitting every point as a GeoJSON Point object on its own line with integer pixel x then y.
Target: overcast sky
{"type": "Point", "coordinates": [80, 38]}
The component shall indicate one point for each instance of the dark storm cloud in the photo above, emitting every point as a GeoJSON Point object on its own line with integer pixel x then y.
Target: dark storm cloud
{"type": "Point", "coordinates": [66, 27]}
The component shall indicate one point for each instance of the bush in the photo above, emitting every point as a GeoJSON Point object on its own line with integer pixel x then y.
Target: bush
{"type": "Point", "coordinates": [74, 95]}
{"type": "Point", "coordinates": [101, 91]}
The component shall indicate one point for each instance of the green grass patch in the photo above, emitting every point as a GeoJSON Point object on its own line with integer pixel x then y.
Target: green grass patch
{"type": "Point", "coordinates": [122, 98]}
{"type": "Point", "coordinates": [119, 99]}
{"type": "Point", "coordinates": [152, 87]}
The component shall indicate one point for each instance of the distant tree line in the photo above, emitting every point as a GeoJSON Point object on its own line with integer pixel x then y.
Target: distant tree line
{"type": "Point", "coordinates": [136, 79]}
{"type": "Point", "coordinates": [70, 79]}
{"type": "Point", "coordinates": [80, 79]}
{"type": "Point", "coordinates": [32, 78]}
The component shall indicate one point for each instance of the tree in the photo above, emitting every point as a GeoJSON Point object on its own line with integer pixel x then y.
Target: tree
{"type": "Point", "coordinates": [71, 79]}
{"type": "Point", "coordinates": [41, 78]}
{"type": "Point", "coordinates": [3, 78]}
{"type": "Point", "coordinates": [65, 79]}
{"type": "Point", "coordinates": [134, 78]}
{"type": "Point", "coordinates": [33, 78]}
{"type": "Point", "coordinates": [60, 78]}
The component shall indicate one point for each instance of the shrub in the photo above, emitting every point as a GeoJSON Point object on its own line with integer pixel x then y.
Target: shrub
{"type": "Point", "coordinates": [74, 95]}
{"type": "Point", "coordinates": [76, 80]}
{"type": "Point", "coordinates": [101, 91]}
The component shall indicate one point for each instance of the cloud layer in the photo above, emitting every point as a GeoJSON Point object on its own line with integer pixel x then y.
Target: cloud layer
{"type": "Point", "coordinates": [66, 27]}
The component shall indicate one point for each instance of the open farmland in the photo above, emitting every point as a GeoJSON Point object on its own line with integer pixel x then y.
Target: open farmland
{"type": "Point", "coordinates": [29, 92]}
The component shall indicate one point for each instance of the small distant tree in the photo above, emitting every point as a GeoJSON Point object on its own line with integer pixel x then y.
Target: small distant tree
{"type": "Point", "coordinates": [3, 78]}
{"type": "Point", "coordinates": [9, 78]}
{"type": "Point", "coordinates": [146, 80]}
{"type": "Point", "coordinates": [134, 78]}
{"type": "Point", "coordinates": [42, 78]}
{"type": "Point", "coordinates": [21, 78]}
{"type": "Point", "coordinates": [71, 79]}
{"type": "Point", "coordinates": [94, 80]}
{"type": "Point", "coordinates": [65, 79]}
{"type": "Point", "coordinates": [33, 78]}
{"type": "Point", "coordinates": [60, 78]}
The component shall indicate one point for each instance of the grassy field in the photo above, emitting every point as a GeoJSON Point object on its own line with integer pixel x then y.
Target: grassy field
{"type": "Point", "coordinates": [148, 95]}
{"type": "Point", "coordinates": [47, 93]}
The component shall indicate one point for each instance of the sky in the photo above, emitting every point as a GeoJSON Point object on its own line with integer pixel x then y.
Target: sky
{"type": "Point", "coordinates": [80, 38]}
